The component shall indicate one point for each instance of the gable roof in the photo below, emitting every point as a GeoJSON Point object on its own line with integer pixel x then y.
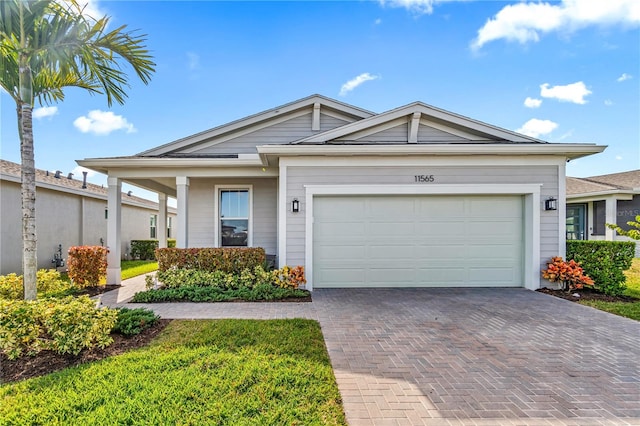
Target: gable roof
{"type": "Point", "coordinates": [623, 183]}
{"type": "Point", "coordinates": [418, 113]}
{"type": "Point", "coordinates": [11, 171]}
{"type": "Point", "coordinates": [254, 120]}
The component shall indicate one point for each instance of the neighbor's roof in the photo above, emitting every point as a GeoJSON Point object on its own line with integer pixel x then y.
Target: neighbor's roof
{"type": "Point", "coordinates": [11, 171]}
{"type": "Point", "coordinates": [615, 182]}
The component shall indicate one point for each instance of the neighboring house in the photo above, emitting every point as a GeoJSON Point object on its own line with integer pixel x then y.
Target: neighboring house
{"type": "Point", "coordinates": [69, 212]}
{"type": "Point", "coordinates": [594, 201]}
{"type": "Point", "coordinates": [415, 196]}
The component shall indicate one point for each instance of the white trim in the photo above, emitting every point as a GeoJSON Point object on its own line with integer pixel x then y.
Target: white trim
{"type": "Point", "coordinates": [531, 213]}
{"type": "Point", "coordinates": [216, 212]}
{"type": "Point", "coordinates": [182, 198]}
{"type": "Point", "coordinates": [373, 161]}
{"type": "Point", "coordinates": [282, 216]}
{"type": "Point", "coordinates": [455, 132]}
{"type": "Point", "coordinates": [562, 210]}
{"type": "Point", "coordinates": [414, 125]}
{"type": "Point", "coordinates": [114, 229]}
{"type": "Point", "coordinates": [315, 120]}
{"type": "Point", "coordinates": [569, 151]}
{"type": "Point", "coordinates": [619, 194]}
{"type": "Point", "coordinates": [373, 130]}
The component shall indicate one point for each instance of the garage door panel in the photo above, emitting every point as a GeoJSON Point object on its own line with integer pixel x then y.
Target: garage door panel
{"type": "Point", "coordinates": [420, 240]}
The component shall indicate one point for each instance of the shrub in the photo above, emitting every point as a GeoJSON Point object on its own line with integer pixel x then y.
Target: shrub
{"type": "Point", "coordinates": [48, 283]}
{"type": "Point", "coordinates": [604, 261]}
{"type": "Point", "coordinates": [230, 260]}
{"type": "Point", "coordinates": [133, 321]}
{"type": "Point", "coordinates": [171, 243]}
{"type": "Point", "coordinates": [216, 294]}
{"type": "Point", "coordinates": [288, 277]}
{"type": "Point", "coordinates": [569, 274]}
{"type": "Point", "coordinates": [87, 265]}
{"type": "Point", "coordinates": [144, 249]}
{"type": "Point", "coordinates": [65, 325]}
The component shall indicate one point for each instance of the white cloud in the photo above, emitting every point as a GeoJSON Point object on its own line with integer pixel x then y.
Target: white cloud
{"type": "Point", "coordinates": [102, 123]}
{"type": "Point", "coordinates": [624, 77]}
{"type": "Point", "coordinates": [525, 22]}
{"type": "Point", "coordinates": [43, 112]}
{"type": "Point", "coordinates": [193, 60]}
{"type": "Point", "coordinates": [90, 8]}
{"type": "Point", "coordinates": [608, 102]}
{"type": "Point", "coordinates": [355, 82]}
{"type": "Point", "coordinates": [416, 6]}
{"type": "Point", "coordinates": [532, 103]}
{"type": "Point", "coordinates": [536, 128]}
{"type": "Point", "coordinates": [618, 157]}
{"type": "Point", "coordinates": [574, 92]}
{"type": "Point", "coordinates": [378, 21]}
{"type": "Point", "coordinates": [77, 172]}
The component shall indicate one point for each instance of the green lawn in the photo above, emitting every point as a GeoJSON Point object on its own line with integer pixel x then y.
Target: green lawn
{"type": "Point", "coordinates": [629, 310]}
{"type": "Point", "coordinates": [133, 268]}
{"type": "Point", "coordinates": [235, 372]}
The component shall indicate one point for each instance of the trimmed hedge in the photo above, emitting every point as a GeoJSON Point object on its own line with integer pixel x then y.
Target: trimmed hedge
{"type": "Point", "coordinates": [87, 265]}
{"type": "Point", "coordinates": [229, 260]}
{"type": "Point", "coordinates": [196, 293]}
{"type": "Point", "coordinates": [604, 261]}
{"type": "Point", "coordinates": [145, 249]}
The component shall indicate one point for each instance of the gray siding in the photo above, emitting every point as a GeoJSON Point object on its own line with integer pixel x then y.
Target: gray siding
{"type": "Point", "coordinates": [281, 133]}
{"type": "Point", "coordinates": [396, 134]}
{"type": "Point", "coordinates": [297, 177]}
{"type": "Point", "coordinates": [428, 134]}
{"type": "Point", "coordinates": [264, 215]}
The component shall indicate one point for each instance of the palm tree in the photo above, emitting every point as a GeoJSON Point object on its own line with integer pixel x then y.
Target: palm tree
{"type": "Point", "coordinates": [46, 46]}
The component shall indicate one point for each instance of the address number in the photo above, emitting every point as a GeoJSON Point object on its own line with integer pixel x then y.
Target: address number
{"type": "Point", "coordinates": [424, 178]}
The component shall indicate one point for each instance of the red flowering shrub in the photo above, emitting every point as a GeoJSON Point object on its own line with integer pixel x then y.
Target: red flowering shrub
{"type": "Point", "coordinates": [87, 265]}
{"type": "Point", "coordinates": [569, 274]}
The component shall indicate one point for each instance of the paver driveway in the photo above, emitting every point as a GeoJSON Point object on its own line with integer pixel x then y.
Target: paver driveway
{"type": "Point", "coordinates": [466, 356]}
{"type": "Point", "coordinates": [485, 356]}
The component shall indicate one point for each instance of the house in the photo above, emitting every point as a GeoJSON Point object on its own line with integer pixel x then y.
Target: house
{"type": "Point", "coordinates": [69, 212]}
{"type": "Point", "coordinates": [594, 201]}
{"type": "Point", "coordinates": [415, 196]}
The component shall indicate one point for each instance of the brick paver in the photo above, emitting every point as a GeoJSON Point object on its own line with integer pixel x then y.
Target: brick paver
{"type": "Point", "coordinates": [464, 356]}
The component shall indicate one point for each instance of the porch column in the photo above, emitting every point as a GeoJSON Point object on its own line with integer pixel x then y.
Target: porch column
{"type": "Point", "coordinates": [182, 239]}
{"type": "Point", "coordinates": [611, 216]}
{"type": "Point", "coordinates": [114, 208]}
{"type": "Point", "coordinates": [162, 220]}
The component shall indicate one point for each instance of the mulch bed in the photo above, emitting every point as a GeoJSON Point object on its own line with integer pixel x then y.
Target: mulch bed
{"type": "Point", "coordinates": [95, 291]}
{"type": "Point", "coordinates": [48, 361]}
{"type": "Point", "coordinates": [587, 294]}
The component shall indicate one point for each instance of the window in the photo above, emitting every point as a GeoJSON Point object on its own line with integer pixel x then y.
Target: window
{"type": "Point", "coordinates": [234, 216]}
{"type": "Point", "coordinates": [576, 224]}
{"type": "Point", "coordinates": [599, 213]}
{"type": "Point", "coordinates": [169, 226]}
{"type": "Point", "coordinates": [153, 226]}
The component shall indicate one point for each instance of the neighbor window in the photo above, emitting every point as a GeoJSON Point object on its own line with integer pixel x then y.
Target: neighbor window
{"type": "Point", "coordinates": [599, 213]}
{"type": "Point", "coordinates": [169, 227]}
{"type": "Point", "coordinates": [153, 226]}
{"type": "Point", "coordinates": [576, 223]}
{"type": "Point", "coordinates": [234, 221]}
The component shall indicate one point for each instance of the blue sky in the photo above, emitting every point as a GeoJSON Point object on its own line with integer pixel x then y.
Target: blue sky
{"type": "Point", "coordinates": [565, 71]}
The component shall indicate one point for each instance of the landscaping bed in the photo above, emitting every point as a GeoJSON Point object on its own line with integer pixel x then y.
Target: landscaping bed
{"type": "Point", "coordinates": [47, 362]}
{"type": "Point", "coordinates": [588, 294]}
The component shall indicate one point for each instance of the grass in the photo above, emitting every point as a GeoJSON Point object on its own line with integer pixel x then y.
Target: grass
{"type": "Point", "coordinates": [628, 310]}
{"type": "Point", "coordinates": [133, 268]}
{"type": "Point", "coordinates": [235, 372]}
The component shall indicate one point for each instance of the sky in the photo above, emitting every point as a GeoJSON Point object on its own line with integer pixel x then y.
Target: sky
{"type": "Point", "coordinates": [563, 71]}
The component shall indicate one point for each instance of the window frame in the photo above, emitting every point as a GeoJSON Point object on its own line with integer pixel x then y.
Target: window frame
{"type": "Point", "coordinates": [153, 227]}
{"type": "Point", "coordinates": [583, 214]}
{"type": "Point", "coordinates": [216, 208]}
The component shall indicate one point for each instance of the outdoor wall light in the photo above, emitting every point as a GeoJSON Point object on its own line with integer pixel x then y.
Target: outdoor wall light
{"type": "Point", "coordinates": [551, 204]}
{"type": "Point", "coordinates": [295, 205]}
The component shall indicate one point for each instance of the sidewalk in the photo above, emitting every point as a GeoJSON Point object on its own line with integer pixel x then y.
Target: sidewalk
{"type": "Point", "coordinates": [249, 310]}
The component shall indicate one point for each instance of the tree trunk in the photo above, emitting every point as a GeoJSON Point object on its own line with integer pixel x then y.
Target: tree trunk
{"type": "Point", "coordinates": [29, 241]}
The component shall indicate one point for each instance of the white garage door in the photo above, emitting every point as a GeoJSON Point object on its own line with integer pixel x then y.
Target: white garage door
{"type": "Point", "coordinates": [418, 241]}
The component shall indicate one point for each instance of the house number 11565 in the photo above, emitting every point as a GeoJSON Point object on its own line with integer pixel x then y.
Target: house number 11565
{"type": "Point", "coordinates": [424, 178]}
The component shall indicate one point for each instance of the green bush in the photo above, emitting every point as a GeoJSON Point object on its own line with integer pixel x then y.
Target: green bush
{"type": "Point", "coordinates": [216, 294]}
{"type": "Point", "coordinates": [604, 261]}
{"type": "Point", "coordinates": [48, 283]}
{"type": "Point", "coordinates": [247, 278]}
{"type": "Point", "coordinates": [171, 243]}
{"type": "Point", "coordinates": [230, 260]}
{"type": "Point", "coordinates": [65, 325]}
{"type": "Point", "coordinates": [133, 321]}
{"type": "Point", "coordinates": [143, 249]}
